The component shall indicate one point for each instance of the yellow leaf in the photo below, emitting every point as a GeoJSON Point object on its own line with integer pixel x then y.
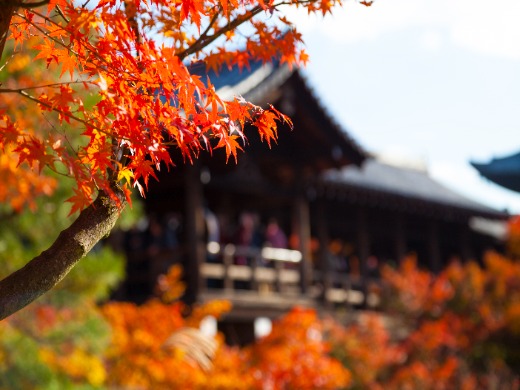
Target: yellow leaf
{"type": "Point", "coordinates": [125, 174]}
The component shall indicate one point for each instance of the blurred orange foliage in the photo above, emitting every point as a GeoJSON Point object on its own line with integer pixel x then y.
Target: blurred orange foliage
{"type": "Point", "coordinates": [514, 236]}
{"type": "Point", "coordinates": [462, 324]}
{"type": "Point", "coordinates": [294, 356]}
{"type": "Point", "coordinates": [459, 329]}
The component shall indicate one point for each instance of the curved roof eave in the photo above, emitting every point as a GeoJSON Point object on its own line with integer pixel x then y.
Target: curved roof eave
{"type": "Point", "coordinates": [258, 82]}
{"type": "Point", "coordinates": [409, 186]}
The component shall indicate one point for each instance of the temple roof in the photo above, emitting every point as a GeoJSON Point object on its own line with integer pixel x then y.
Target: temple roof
{"type": "Point", "coordinates": [316, 135]}
{"type": "Point", "coordinates": [504, 171]}
{"type": "Point", "coordinates": [248, 82]}
{"type": "Point", "coordinates": [404, 189]}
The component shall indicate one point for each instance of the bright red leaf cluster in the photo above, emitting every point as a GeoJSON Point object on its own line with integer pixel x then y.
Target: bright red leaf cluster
{"type": "Point", "coordinates": [113, 89]}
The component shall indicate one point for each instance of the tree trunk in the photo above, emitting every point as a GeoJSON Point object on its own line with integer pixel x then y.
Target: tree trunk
{"type": "Point", "coordinates": [7, 8]}
{"type": "Point", "coordinates": [46, 270]}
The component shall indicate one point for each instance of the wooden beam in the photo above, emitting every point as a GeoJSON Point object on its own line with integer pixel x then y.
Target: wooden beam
{"type": "Point", "coordinates": [466, 252]}
{"type": "Point", "coordinates": [323, 254]}
{"type": "Point", "coordinates": [195, 229]}
{"type": "Point", "coordinates": [401, 247]}
{"type": "Point", "coordinates": [363, 247]}
{"type": "Point", "coordinates": [434, 253]}
{"type": "Point", "coordinates": [302, 228]}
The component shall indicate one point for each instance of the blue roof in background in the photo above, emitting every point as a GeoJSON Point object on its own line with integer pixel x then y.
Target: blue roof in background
{"type": "Point", "coordinates": [504, 171]}
{"type": "Point", "coordinates": [257, 82]}
{"type": "Point", "coordinates": [228, 77]}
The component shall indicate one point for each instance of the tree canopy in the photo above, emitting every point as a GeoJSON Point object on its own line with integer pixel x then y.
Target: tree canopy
{"type": "Point", "coordinates": [103, 89]}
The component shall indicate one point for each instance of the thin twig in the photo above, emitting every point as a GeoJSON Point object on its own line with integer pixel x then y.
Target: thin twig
{"type": "Point", "coordinates": [18, 90]}
{"type": "Point", "coordinates": [200, 44]}
{"type": "Point", "coordinates": [204, 34]}
{"type": "Point", "coordinates": [232, 25]}
{"type": "Point", "coordinates": [60, 12]}
{"type": "Point", "coordinates": [67, 114]}
{"type": "Point", "coordinates": [33, 5]}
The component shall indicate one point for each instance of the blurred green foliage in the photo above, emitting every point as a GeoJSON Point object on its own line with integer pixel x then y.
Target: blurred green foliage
{"type": "Point", "coordinates": [30, 344]}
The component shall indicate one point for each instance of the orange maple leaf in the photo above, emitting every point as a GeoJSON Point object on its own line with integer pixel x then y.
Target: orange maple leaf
{"type": "Point", "coordinates": [33, 152]}
{"type": "Point", "coordinates": [8, 132]}
{"type": "Point", "coordinates": [193, 8]}
{"type": "Point", "coordinates": [82, 197]}
{"type": "Point", "coordinates": [68, 63]}
{"type": "Point", "coordinates": [143, 169]}
{"type": "Point", "coordinates": [47, 51]}
{"type": "Point", "coordinates": [54, 3]}
{"type": "Point", "coordinates": [231, 145]}
{"type": "Point", "coordinates": [266, 125]}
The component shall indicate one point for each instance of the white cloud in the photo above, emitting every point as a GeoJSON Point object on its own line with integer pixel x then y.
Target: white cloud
{"type": "Point", "coordinates": [479, 25]}
{"type": "Point", "coordinates": [354, 22]}
{"type": "Point", "coordinates": [431, 41]}
{"type": "Point", "coordinates": [488, 27]}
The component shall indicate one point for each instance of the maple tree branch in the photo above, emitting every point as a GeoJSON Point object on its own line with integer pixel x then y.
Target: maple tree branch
{"type": "Point", "coordinates": [89, 49]}
{"type": "Point", "coordinates": [205, 40]}
{"type": "Point", "coordinates": [200, 44]}
{"type": "Point", "coordinates": [211, 23]}
{"type": "Point", "coordinates": [45, 33]}
{"type": "Point", "coordinates": [118, 151]}
{"type": "Point", "coordinates": [204, 34]}
{"type": "Point", "coordinates": [132, 22]}
{"type": "Point", "coordinates": [67, 114]}
{"type": "Point", "coordinates": [52, 85]}
{"type": "Point", "coordinates": [62, 14]}
{"type": "Point", "coordinates": [33, 5]}
{"type": "Point", "coordinates": [46, 270]}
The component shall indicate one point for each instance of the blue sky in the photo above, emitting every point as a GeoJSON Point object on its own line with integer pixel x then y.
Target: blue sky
{"type": "Point", "coordinates": [435, 82]}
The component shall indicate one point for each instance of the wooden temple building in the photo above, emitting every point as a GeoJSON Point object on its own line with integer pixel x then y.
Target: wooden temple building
{"type": "Point", "coordinates": [340, 213]}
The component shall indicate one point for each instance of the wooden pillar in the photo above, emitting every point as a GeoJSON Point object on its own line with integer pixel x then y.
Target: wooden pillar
{"type": "Point", "coordinates": [400, 239]}
{"type": "Point", "coordinates": [326, 271]}
{"type": "Point", "coordinates": [227, 261]}
{"type": "Point", "coordinates": [434, 252]}
{"type": "Point", "coordinates": [195, 233]}
{"type": "Point", "coordinates": [363, 244]}
{"type": "Point", "coordinates": [466, 253]}
{"type": "Point", "coordinates": [278, 285]}
{"type": "Point", "coordinates": [302, 228]}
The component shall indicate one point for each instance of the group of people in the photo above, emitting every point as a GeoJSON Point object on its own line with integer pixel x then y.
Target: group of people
{"type": "Point", "coordinates": [157, 237]}
{"type": "Point", "coordinates": [249, 233]}
{"type": "Point", "coordinates": [342, 258]}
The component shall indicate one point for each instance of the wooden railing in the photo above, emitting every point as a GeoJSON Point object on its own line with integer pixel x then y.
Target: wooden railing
{"type": "Point", "coordinates": [277, 271]}
{"type": "Point", "coordinates": [267, 268]}
{"type": "Point", "coordinates": [353, 290]}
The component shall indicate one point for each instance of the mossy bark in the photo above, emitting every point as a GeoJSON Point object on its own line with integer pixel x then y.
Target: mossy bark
{"type": "Point", "coordinates": [46, 270]}
{"type": "Point", "coordinates": [7, 8]}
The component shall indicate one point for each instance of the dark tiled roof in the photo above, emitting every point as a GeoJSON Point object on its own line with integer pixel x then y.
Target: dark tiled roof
{"type": "Point", "coordinates": [256, 82]}
{"type": "Point", "coordinates": [414, 185]}
{"type": "Point", "coordinates": [504, 171]}
{"type": "Point", "coordinates": [244, 82]}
